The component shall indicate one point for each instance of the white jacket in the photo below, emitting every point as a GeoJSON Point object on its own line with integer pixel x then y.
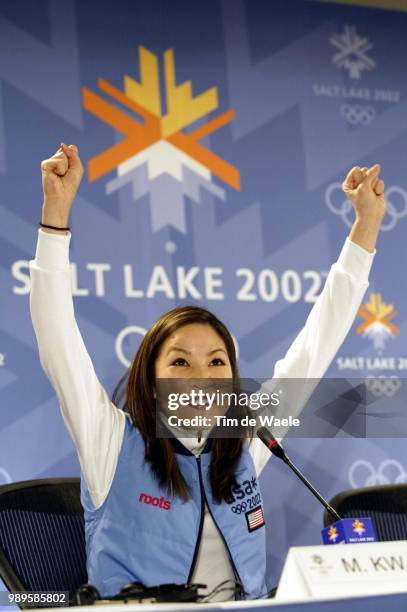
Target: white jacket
{"type": "Point", "coordinates": [97, 426]}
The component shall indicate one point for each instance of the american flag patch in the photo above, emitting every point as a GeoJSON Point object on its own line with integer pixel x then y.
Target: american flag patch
{"type": "Point", "coordinates": [255, 518]}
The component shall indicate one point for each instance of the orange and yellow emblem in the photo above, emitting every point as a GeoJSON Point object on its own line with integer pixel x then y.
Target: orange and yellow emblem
{"type": "Point", "coordinates": [161, 152]}
{"type": "Point", "coordinates": [144, 99]}
{"type": "Point", "coordinates": [333, 534]}
{"type": "Point", "coordinates": [378, 320]}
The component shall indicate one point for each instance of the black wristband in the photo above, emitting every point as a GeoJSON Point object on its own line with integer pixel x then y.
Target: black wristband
{"type": "Point", "coordinates": [55, 228]}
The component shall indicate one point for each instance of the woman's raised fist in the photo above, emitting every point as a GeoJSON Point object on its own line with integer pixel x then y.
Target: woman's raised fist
{"type": "Point", "coordinates": [61, 177]}
{"type": "Point", "coordinates": [365, 189]}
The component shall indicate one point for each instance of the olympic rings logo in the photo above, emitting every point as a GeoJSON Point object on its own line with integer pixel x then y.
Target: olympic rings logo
{"type": "Point", "coordinates": [358, 115]}
{"type": "Point", "coordinates": [120, 341]}
{"type": "Point", "coordinates": [363, 474]}
{"type": "Point", "coordinates": [396, 199]}
{"type": "Point", "coordinates": [382, 385]}
{"type": "Point", "coordinates": [5, 477]}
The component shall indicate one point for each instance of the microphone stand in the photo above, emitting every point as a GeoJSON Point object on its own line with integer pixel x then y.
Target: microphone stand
{"type": "Point", "coordinates": [313, 490]}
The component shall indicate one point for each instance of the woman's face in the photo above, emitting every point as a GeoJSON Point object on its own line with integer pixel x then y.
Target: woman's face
{"type": "Point", "coordinates": [193, 351]}
{"type": "Point", "coordinates": [190, 357]}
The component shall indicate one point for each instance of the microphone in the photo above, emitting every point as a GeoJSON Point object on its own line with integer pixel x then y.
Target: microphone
{"type": "Point", "coordinates": [275, 447]}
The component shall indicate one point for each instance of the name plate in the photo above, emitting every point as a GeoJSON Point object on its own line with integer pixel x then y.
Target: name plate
{"type": "Point", "coordinates": [344, 571]}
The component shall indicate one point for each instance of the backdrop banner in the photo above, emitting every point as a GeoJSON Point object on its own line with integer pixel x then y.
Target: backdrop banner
{"type": "Point", "coordinates": [215, 137]}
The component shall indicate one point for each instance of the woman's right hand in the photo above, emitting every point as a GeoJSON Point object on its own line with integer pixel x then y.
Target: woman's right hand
{"type": "Point", "coordinates": [61, 177]}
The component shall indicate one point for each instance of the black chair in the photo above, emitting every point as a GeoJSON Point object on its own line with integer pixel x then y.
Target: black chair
{"type": "Point", "coordinates": [385, 504]}
{"type": "Point", "coordinates": [42, 536]}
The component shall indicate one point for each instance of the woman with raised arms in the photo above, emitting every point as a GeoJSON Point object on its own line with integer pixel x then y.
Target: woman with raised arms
{"type": "Point", "coordinates": [162, 510]}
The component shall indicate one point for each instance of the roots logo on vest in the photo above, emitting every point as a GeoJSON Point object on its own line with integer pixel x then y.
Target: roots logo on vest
{"type": "Point", "coordinates": [157, 156]}
{"type": "Point", "coordinates": [157, 502]}
{"type": "Point", "coordinates": [377, 324]}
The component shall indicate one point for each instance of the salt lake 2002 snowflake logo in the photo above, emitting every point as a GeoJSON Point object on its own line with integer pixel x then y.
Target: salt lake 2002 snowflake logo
{"type": "Point", "coordinates": [352, 52]}
{"type": "Point", "coordinates": [156, 156]}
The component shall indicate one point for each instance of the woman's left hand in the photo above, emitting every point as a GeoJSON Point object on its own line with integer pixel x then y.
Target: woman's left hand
{"type": "Point", "coordinates": [365, 189]}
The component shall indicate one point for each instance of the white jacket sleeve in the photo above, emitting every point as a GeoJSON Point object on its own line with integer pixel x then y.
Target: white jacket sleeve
{"type": "Point", "coordinates": [325, 329]}
{"type": "Point", "coordinates": [94, 423]}
{"type": "Point", "coordinates": [331, 317]}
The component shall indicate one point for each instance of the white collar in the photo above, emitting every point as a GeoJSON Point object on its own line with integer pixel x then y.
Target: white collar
{"type": "Point", "coordinates": [193, 444]}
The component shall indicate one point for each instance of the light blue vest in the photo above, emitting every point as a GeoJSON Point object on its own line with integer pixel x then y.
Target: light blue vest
{"type": "Point", "coordinates": [140, 534]}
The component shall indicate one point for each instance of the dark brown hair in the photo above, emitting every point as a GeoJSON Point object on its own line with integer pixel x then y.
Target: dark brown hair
{"type": "Point", "coordinates": [140, 404]}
